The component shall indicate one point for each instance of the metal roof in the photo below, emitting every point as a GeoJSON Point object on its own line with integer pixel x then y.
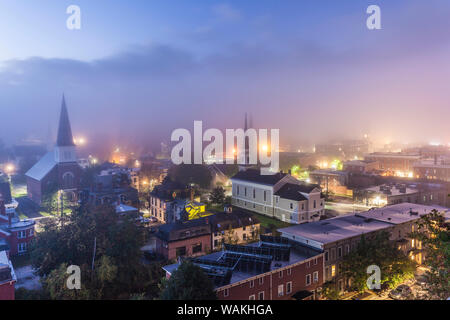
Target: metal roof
{"type": "Point", "coordinates": [42, 167]}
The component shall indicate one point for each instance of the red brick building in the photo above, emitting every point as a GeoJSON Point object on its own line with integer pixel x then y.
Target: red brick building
{"type": "Point", "coordinates": [15, 232]}
{"type": "Point", "coordinates": [58, 169]}
{"type": "Point", "coordinates": [272, 269]}
{"type": "Point", "coordinates": [191, 238]}
{"type": "Point", "coordinates": [7, 277]}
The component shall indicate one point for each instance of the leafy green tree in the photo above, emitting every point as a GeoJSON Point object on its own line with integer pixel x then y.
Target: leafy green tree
{"type": "Point", "coordinates": [188, 282]}
{"type": "Point", "coordinates": [217, 195]}
{"type": "Point", "coordinates": [55, 285]}
{"type": "Point", "coordinates": [118, 267]}
{"type": "Point", "coordinates": [434, 235]}
{"type": "Point", "coordinates": [191, 174]}
{"type": "Point", "coordinates": [394, 264]}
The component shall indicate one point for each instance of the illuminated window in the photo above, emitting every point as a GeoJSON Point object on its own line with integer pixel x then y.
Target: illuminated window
{"type": "Point", "coordinates": [333, 270]}
{"type": "Point", "coordinates": [280, 290]}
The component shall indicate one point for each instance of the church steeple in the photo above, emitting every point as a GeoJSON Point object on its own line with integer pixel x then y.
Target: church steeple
{"type": "Point", "coordinates": [65, 138]}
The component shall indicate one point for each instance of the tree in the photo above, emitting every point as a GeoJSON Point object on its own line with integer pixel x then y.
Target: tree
{"type": "Point", "coordinates": [217, 195]}
{"type": "Point", "coordinates": [118, 268]}
{"type": "Point", "coordinates": [188, 282]}
{"type": "Point", "coordinates": [191, 173]}
{"type": "Point", "coordinates": [434, 235]}
{"type": "Point", "coordinates": [394, 264]}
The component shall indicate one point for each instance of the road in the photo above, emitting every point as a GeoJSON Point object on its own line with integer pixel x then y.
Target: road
{"type": "Point", "coordinates": [340, 208]}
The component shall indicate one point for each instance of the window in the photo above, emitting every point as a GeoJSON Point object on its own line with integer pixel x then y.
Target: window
{"type": "Point", "coordinates": [68, 180]}
{"type": "Point", "coordinates": [252, 283]}
{"type": "Point", "coordinates": [327, 272]}
{"type": "Point", "coordinates": [254, 193]}
{"type": "Point", "coordinates": [196, 248]}
{"type": "Point", "coordinates": [252, 297]}
{"type": "Point", "coordinates": [291, 205]}
{"type": "Point", "coordinates": [238, 190]}
{"type": "Point", "coordinates": [21, 234]}
{"type": "Point", "coordinates": [244, 236]}
{"type": "Point", "coordinates": [261, 295]}
{"type": "Point", "coordinates": [181, 251]}
{"type": "Point", "coordinates": [333, 254]}
{"type": "Point", "coordinates": [280, 274]}
{"type": "Point", "coordinates": [31, 232]}
{"type": "Point", "coordinates": [303, 206]}
{"type": "Point", "coordinates": [333, 270]}
{"type": "Point", "coordinates": [245, 191]}
{"type": "Point", "coordinates": [308, 279]}
{"type": "Point", "coordinates": [308, 264]}
{"type": "Point", "coordinates": [261, 281]}
{"type": "Point", "coordinates": [265, 199]}
{"type": "Point", "coordinates": [314, 204]}
{"type": "Point", "coordinates": [289, 287]}
{"type": "Point", "coordinates": [316, 276]}
{"type": "Point", "coordinates": [289, 271]}
{"type": "Point", "coordinates": [226, 292]}
{"type": "Point", "coordinates": [281, 290]}
{"type": "Point", "coordinates": [326, 255]}
{"type": "Point", "coordinates": [22, 247]}
{"type": "Point", "coordinates": [339, 252]}
{"type": "Point", "coordinates": [315, 261]}
{"type": "Point", "coordinates": [347, 249]}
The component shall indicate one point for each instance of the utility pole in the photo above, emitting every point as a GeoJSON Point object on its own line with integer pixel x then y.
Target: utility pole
{"type": "Point", "coordinates": [93, 257]}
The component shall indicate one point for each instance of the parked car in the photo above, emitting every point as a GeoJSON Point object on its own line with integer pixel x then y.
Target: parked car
{"type": "Point", "coordinates": [402, 292]}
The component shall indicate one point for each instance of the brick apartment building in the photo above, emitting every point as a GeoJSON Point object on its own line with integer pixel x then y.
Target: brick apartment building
{"type": "Point", "coordinates": [272, 269]}
{"type": "Point", "coordinates": [200, 236]}
{"type": "Point", "coordinates": [7, 277]}
{"type": "Point", "coordinates": [336, 237]}
{"type": "Point", "coordinates": [394, 161]}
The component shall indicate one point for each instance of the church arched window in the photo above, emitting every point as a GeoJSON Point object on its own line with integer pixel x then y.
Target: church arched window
{"type": "Point", "coordinates": [68, 180]}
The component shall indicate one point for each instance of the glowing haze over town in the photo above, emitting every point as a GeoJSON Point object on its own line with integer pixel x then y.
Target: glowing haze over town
{"type": "Point", "coordinates": [224, 150]}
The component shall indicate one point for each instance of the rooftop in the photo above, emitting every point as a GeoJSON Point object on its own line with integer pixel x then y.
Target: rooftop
{"type": "Point", "coordinates": [42, 167]}
{"type": "Point", "coordinates": [334, 229]}
{"type": "Point", "coordinates": [295, 191]}
{"type": "Point", "coordinates": [258, 258]}
{"type": "Point", "coordinates": [5, 263]}
{"type": "Point", "coordinates": [254, 175]}
{"type": "Point", "coordinates": [350, 225]}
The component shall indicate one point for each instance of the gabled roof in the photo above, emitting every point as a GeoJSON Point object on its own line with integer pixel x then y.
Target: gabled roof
{"type": "Point", "coordinates": [42, 167]}
{"type": "Point", "coordinates": [255, 176]}
{"type": "Point", "coordinates": [294, 191]}
{"type": "Point", "coordinates": [65, 137]}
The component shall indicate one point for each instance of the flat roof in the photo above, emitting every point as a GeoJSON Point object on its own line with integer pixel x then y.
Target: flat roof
{"type": "Point", "coordinates": [334, 229]}
{"type": "Point", "coordinates": [296, 255]}
{"type": "Point", "coordinates": [400, 213]}
{"type": "Point", "coordinates": [350, 225]}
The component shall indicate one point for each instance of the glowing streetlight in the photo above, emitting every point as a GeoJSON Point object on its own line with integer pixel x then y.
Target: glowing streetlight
{"type": "Point", "coordinates": [265, 147]}
{"type": "Point", "coordinates": [9, 168]}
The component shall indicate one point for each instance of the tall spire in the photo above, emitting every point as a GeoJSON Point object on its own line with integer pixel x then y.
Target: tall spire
{"type": "Point", "coordinates": [65, 137]}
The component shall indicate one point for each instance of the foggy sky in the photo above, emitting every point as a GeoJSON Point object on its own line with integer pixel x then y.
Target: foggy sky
{"type": "Point", "coordinates": [310, 68]}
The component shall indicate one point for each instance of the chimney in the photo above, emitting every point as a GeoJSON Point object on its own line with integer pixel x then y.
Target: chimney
{"type": "Point", "coordinates": [2, 206]}
{"type": "Point", "coordinates": [10, 214]}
